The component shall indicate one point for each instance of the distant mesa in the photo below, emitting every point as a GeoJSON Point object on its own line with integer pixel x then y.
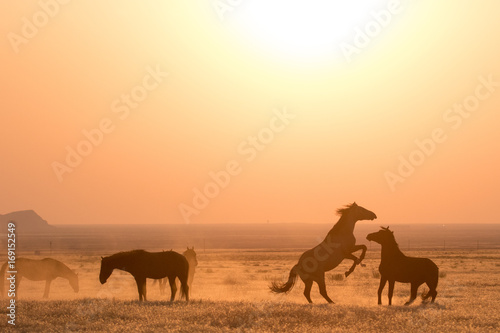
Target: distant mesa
{"type": "Point", "coordinates": [27, 221]}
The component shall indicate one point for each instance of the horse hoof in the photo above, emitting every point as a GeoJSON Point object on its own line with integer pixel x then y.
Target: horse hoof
{"type": "Point", "coordinates": [363, 265]}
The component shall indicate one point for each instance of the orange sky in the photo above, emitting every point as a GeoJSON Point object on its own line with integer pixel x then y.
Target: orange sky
{"type": "Point", "coordinates": [181, 90]}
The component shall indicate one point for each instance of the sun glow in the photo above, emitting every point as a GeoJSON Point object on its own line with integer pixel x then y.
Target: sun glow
{"type": "Point", "coordinates": [301, 29]}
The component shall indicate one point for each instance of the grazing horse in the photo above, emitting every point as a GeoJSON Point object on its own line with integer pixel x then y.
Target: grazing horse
{"type": "Point", "coordinates": [395, 266]}
{"type": "Point", "coordinates": [190, 255]}
{"type": "Point", "coordinates": [154, 265]}
{"type": "Point", "coordinates": [47, 269]}
{"type": "Point", "coordinates": [338, 245]}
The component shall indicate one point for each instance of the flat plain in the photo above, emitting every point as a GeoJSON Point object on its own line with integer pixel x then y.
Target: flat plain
{"type": "Point", "coordinates": [230, 294]}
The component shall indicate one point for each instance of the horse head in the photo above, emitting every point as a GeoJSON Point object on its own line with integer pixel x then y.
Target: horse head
{"type": "Point", "coordinates": [73, 281]}
{"type": "Point", "coordinates": [190, 255]}
{"type": "Point", "coordinates": [356, 212]}
{"type": "Point", "coordinates": [106, 270]}
{"type": "Point", "coordinates": [383, 236]}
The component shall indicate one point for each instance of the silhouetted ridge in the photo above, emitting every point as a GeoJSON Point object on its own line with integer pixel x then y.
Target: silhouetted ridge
{"type": "Point", "coordinates": [26, 221]}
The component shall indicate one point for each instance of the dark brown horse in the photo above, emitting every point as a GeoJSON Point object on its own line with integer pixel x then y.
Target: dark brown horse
{"type": "Point", "coordinates": [395, 266]}
{"type": "Point", "coordinates": [47, 270]}
{"type": "Point", "coordinates": [338, 245]}
{"type": "Point", "coordinates": [153, 265]}
{"type": "Point", "coordinates": [190, 255]}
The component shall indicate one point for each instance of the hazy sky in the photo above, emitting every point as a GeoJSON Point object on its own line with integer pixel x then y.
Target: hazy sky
{"type": "Point", "coordinates": [125, 111]}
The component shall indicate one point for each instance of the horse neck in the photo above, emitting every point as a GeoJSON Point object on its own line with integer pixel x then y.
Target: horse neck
{"type": "Point", "coordinates": [390, 250]}
{"type": "Point", "coordinates": [345, 225]}
{"type": "Point", "coordinates": [191, 263]}
{"type": "Point", "coordinates": [65, 272]}
{"type": "Point", "coordinates": [118, 262]}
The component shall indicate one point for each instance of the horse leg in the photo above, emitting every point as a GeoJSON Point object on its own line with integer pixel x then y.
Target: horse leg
{"type": "Point", "coordinates": [140, 281]}
{"type": "Point", "coordinates": [363, 252]}
{"type": "Point", "coordinates": [47, 288]}
{"type": "Point", "coordinates": [307, 290]}
{"type": "Point", "coordinates": [173, 287]}
{"type": "Point", "coordinates": [322, 288]}
{"type": "Point", "coordinates": [356, 261]}
{"type": "Point", "coordinates": [391, 290]}
{"type": "Point", "coordinates": [413, 293]}
{"type": "Point", "coordinates": [434, 294]}
{"type": "Point", "coordinates": [432, 291]}
{"type": "Point", "coordinates": [383, 280]}
{"type": "Point", "coordinates": [354, 258]}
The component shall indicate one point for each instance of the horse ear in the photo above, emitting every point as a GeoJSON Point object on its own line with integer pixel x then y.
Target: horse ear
{"type": "Point", "coordinates": [354, 204]}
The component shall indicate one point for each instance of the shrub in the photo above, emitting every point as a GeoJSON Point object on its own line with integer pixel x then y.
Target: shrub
{"type": "Point", "coordinates": [337, 277]}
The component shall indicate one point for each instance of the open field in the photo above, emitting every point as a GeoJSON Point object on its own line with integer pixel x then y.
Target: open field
{"type": "Point", "coordinates": [230, 293]}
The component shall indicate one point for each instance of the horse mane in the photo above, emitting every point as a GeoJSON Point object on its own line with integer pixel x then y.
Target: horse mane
{"type": "Point", "coordinates": [124, 254]}
{"type": "Point", "coordinates": [340, 223]}
{"type": "Point", "coordinates": [65, 267]}
{"type": "Point", "coordinates": [344, 209]}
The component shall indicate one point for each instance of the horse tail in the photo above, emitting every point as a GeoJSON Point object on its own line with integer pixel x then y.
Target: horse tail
{"type": "Point", "coordinates": [184, 289]}
{"type": "Point", "coordinates": [2, 278]}
{"type": "Point", "coordinates": [286, 287]}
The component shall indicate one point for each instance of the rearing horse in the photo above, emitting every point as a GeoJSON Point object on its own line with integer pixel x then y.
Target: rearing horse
{"type": "Point", "coordinates": [339, 244]}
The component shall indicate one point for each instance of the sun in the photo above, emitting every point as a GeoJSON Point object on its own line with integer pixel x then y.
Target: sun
{"type": "Point", "coordinates": [304, 30]}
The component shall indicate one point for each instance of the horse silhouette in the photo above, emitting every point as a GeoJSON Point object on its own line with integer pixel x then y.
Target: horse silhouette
{"type": "Point", "coordinates": [338, 245]}
{"type": "Point", "coordinates": [395, 266]}
{"type": "Point", "coordinates": [190, 255]}
{"type": "Point", "coordinates": [47, 269]}
{"type": "Point", "coordinates": [154, 265]}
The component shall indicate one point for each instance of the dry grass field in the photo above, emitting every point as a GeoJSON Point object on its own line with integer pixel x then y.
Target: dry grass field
{"type": "Point", "coordinates": [230, 293]}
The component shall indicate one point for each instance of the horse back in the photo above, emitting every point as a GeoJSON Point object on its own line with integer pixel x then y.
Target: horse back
{"type": "Point", "coordinates": [162, 264]}
{"type": "Point", "coordinates": [410, 269]}
{"type": "Point", "coordinates": [37, 270]}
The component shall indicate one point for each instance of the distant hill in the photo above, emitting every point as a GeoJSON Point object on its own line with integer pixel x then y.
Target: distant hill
{"type": "Point", "coordinates": [27, 221]}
